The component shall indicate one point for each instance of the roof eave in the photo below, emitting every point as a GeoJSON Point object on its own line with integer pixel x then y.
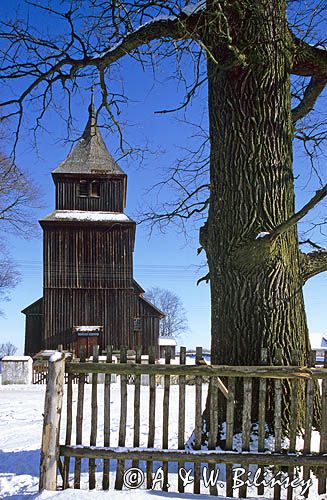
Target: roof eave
{"type": "Point", "coordinates": [80, 175]}
{"type": "Point", "coordinates": [160, 313]}
{"type": "Point", "coordinates": [78, 223]}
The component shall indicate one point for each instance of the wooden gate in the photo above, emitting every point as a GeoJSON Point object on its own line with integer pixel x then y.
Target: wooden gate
{"type": "Point", "coordinates": [40, 372]}
{"type": "Point", "coordinates": [290, 461]}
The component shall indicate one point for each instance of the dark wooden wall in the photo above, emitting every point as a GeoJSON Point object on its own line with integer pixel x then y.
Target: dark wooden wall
{"type": "Point", "coordinates": [33, 328]}
{"type": "Point", "coordinates": [111, 199]}
{"type": "Point", "coordinates": [150, 322]}
{"type": "Point", "coordinates": [88, 256]}
{"type": "Point", "coordinates": [115, 310]}
{"type": "Point", "coordinates": [65, 308]}
{"type": "Point", "coordinates": [88, 280]}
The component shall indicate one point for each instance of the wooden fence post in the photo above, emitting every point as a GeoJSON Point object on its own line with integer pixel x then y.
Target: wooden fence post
{"type": "Point", "coordinates": [51, 423]}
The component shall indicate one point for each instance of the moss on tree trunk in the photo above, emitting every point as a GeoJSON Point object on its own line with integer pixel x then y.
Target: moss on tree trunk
{"type": "Point", "coordinates": [256, 285]}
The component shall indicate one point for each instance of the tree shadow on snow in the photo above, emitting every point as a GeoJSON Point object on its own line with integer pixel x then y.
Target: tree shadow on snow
{"type": "Point", "coordinates": [20, 462]}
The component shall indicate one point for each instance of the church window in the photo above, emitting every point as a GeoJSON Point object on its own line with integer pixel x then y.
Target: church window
{"type": "Point", "coordinates": [83, 188]}
{"type": "Point", "coordinates": [137, 324]}
{"type": "Point", "coordinates": [95, 189]}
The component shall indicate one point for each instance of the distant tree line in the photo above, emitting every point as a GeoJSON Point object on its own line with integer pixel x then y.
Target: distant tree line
{"type": "Point", "coordinates": [175, 322]}
{"type": "Point", "coordinates": [7, 349]}
{"type": "Point", "coordinates": [18, 194]}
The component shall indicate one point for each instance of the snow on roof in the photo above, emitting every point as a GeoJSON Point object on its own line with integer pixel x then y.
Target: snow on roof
{"type": "Point", "coordinates": [86, 216]}
{"type": "Point", "coordinates": [47, 352]}
{"type": "Point", "coordinates": [167, 341]}
{"type": "Point", "coordinates": [16, 358]}
{"type": "Point", "coordinates": [84, 328]}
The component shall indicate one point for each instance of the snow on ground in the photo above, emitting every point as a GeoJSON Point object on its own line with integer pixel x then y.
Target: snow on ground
{"type": "Point", "coordinates": [21, 419]}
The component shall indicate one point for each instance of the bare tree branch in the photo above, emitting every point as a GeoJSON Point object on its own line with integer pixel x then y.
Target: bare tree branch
{"type": "Point", "coordinates": [309, 60]}
{"type": "Point", "coordinates": [18, 196]}
{"type": "Point", "coordinates": [87, 53]}
{"type": "Point", "coordinates": [7, 349]}
{"type": "Point", "coordinates": [311, 94]}
{"type": "Point", "coordinates": [311, 243]}
{"type": "Point", "coordinates": [174, 323]}
{"type": "Point", "coordinates": [66, 66]}
{"type": "Point", "coordinates": [184, 26]}
{"type": "Point", "coordinates": [282, 228]}
{"type": "Point", "coordinates": [205, 278]}
{"type": "Point", "coordinates": [313, 263]}
{"type": "Point", "coordinates": [9, 275]}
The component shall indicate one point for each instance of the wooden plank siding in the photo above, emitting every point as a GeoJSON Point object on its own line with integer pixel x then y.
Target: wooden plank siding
{"type": "Point", "coordinates": [65, 308]}
{"type": "Point", "coordinates": [33, 327]}
{"type": "Point", "coordinates": [111, 195]}
{"type": "Point", "coordinates": [150, 323]}
{"type": "Point", "coordinates": [114, 309]}
{"type": "Point", "coordinates": [88, 256]}
{"type": "Point", "coordinates": [88, 280]}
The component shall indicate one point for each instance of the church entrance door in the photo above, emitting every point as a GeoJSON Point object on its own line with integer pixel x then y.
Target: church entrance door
{"type": "Point", "coordinates": [87, 336]}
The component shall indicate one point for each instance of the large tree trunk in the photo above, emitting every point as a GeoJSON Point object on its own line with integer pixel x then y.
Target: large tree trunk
{"type": "Point", "coordinates": [256, 287]}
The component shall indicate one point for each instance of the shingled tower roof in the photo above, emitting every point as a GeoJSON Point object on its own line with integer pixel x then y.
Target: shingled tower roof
{"type": "Point", "coordinates": [90, 155]}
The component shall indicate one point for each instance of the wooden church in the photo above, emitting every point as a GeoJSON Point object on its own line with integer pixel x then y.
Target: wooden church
{"type": "Point", "coordinates": [89, 294]}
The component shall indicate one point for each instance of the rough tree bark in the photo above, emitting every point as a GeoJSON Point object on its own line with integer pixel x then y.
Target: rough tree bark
{"type": "Point", "coordinates": [256, 283]}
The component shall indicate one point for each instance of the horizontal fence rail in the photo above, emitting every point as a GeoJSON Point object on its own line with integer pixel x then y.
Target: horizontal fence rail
{"type": "Point", "coordinates": [133, 412]}
{"type": "Point", "coordinates": [278, 372]}
{"type": "Point", "coordinates": [200, 456]}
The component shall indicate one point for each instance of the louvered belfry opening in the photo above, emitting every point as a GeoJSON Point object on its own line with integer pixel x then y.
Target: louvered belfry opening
{"type": "Point", "coordinates": [83, 188]}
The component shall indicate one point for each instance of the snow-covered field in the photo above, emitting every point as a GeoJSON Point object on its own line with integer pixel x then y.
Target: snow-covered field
{"type": "Point", "coordinates": [21, 419]}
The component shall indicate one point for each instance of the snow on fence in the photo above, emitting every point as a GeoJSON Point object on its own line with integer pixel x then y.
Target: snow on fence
{"type": "Point", "coordinates": [283, 455]}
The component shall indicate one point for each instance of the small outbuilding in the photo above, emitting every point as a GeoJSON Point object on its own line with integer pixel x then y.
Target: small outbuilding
{"type": "Point", "coordinates": [17, 370]}
{"type": "Point", "coordinates": [319, 344]}
{"type": "Point", "coordinates": [164, 342]}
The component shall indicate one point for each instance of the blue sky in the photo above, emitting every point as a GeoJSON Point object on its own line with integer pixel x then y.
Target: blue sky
{"type": "Point", "coordinates": [167, 260]}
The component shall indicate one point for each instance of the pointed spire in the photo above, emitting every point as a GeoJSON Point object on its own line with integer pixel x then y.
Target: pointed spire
{"type": "Point", "coordinates": [91, 126]}
{"type": "Point", "coordinates": [92, 96]}
{"type": "Point", "coordinates": [91, 106]}
{"type": "Point", "coordinates": [90, 155]}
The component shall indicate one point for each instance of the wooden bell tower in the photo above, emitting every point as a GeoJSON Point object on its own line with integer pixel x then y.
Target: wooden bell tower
{"type": "Point", "coordinates": [88, 250]}
{"type": "Point", "coordinates": [89, 294]}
